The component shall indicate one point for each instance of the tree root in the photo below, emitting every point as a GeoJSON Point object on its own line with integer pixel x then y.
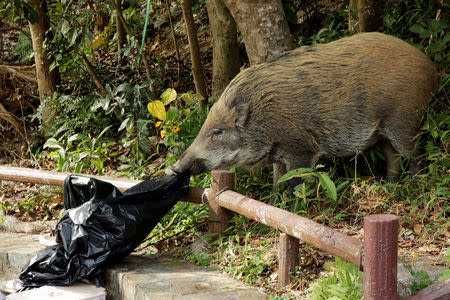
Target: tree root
{"type": "Point", "coordinates": [21, 72]}
{"type": "Point", "coordinates": [10, 118]}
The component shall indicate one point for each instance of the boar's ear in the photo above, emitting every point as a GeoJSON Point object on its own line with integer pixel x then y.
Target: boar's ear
{"type": "Point", "coordinates": [240, 114]}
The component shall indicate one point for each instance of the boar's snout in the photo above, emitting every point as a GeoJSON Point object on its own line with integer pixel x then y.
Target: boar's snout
{"type": "Point", "coordinates": [193, 166]}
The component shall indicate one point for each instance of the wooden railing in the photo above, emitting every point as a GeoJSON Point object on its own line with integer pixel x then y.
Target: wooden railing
{"type": "Point", "coordinates": [376, 256]}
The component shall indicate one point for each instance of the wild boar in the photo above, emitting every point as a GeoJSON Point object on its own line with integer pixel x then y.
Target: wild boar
{"type": "Point", "coordinates": [325, 100]}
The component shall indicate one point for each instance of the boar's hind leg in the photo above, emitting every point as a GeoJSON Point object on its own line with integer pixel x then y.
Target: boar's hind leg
{"type": "Point", "coordinates": [399, 144]}
{"type": "Point", "coordinates": [392, 162]}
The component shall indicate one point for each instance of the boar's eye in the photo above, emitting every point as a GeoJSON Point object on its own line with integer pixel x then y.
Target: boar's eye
{"type": "Point", "coordinates": [216, 132]}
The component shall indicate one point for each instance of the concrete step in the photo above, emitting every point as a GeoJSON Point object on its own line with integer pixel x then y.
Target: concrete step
{"type": "Point", "coordinates": [137, 277]}
{"type": "Point", "coordinates": [160, 277]}
{"type": "Point", "coordinates": [16, 249]}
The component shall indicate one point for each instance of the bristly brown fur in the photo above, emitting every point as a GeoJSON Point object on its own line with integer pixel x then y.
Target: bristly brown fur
{"type": "Point", "coordinates": [327, 100]}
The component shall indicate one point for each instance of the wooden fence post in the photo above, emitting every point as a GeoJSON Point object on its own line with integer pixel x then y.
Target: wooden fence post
{"type": "Point", "coordinates": [219, 216]}
{"type": "Point", "coordinates": [380, 257]}
{"type": "Point", "coordinates": [287, 258]}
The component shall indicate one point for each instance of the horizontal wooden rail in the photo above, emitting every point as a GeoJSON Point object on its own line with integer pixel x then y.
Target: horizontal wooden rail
{"type": "Point", "coordinates": [195, 194]}
{"type": "Point", "coordinates": [55, 178]}
{"type": "Point", "coordinates": [321, 236]}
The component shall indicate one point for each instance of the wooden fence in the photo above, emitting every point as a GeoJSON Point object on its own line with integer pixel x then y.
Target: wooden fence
{"type": "Point", "coordinates": [376, 256]}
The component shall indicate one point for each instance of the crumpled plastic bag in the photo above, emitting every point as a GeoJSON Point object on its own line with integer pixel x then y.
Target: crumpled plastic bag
{"type": "Point", "coordinates": [100, 227]}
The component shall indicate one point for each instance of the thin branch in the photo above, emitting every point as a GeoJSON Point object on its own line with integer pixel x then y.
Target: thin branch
{"type": "Point", "coordinates": [175, 41]}
{"type": "Point", "coordinates": [97, 80]}
{"type": "Point", "coordinates": [148, 71]}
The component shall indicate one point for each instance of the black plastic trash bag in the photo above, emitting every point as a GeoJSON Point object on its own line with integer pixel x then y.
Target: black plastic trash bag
{"type": "Point", "coordinates": [100, 227]}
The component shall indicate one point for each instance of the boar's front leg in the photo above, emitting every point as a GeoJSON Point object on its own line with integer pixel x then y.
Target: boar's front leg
{"type": "Point", "coordinates": [279, 169]}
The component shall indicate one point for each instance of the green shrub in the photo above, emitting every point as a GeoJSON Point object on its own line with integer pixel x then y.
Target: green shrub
{"type": "Point", "coordinates": [345, 283]}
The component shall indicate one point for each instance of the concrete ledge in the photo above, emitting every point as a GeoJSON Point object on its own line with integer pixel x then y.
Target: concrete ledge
{"type": "Point", "coordinates": [16, 249]}
{"type": "Point", "coordinates": [160, 277]}
{"type": "Point", "coordinates": [137, 277]}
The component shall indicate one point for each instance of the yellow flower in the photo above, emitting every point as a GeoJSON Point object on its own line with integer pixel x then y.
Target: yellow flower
{"type": "Point", "coordinates": [158, 124]}
{"type": "Point", "coordinates": [163, 133]}
{"type": "Point", "coordinates": [175, 128]}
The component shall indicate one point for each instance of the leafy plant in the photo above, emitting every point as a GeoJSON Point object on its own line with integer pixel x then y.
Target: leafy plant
{"type": "Point", "coordinates": [250, 264]}
{"type": "Point", "coordinates": [25, 48]}
{"type": "Point", "coordinates": [421, 279]}
{"type": "Point", "coordinates": [179, 124]}
{"type": "Point", "coordinates": [82, 152]}
{"type": "Point", "coordinates": [182, 218]}
{"type": "Point", "coordinates": [201, 259]}
{"type": "Point", "coordinates": [438, 37]}
{"type": "Point", "coordinates": [345, 283]}
{"type": "Point", "coordinates": [18, 10]}
{"type": "Point", "coordinates": [325, 182]}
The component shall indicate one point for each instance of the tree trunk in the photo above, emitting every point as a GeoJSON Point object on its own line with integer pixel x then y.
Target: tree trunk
{"type": "Point", "coordinates": [46, 80]}
{"type": "Point", "coordinates": [263, 26]}
{"type": "Point", "coordinates": [369, 15]}
{"type": "Point", "coordinates": [197, 71]}
{"type": "Point", "coordinates": [226, 62]}
{"type": "Point", "coordinates": [121, 34]}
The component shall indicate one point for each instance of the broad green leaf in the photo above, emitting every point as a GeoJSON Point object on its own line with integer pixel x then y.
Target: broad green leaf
{"type": "Point", "coordinates": [75, 34]}
{"type": "Point", "coordinates": [302, 172]}
{"type": "Point", "coordinates": [168, 96]}
{"type": "Point", "coordinates": [104, 130]}
{"type": "Point", "coordinates": [124, 87]}
{"type": "Point", "coordinates": [417, 28]}
{"type": "Point", "coordinates": [197, 97]}
{"type": "Point", "coordinates": [124, 124]}
{"type": "Point", "coordinates": [187, 97]}
{"type": "Point", "coordinates": [157, 109]}
{"type": "Point", "coordinates": [77, 136]}
{"type": "Point", "coordinates": [65, 27]}
{"type": "Point", "coordinates": [52, 143]}
{"type": "Point", "coordinates": [53, 65]}
{"type": "Point", "coordinates": [342, 186]}
{"type": "Point", "coordinates": [328, 185]}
